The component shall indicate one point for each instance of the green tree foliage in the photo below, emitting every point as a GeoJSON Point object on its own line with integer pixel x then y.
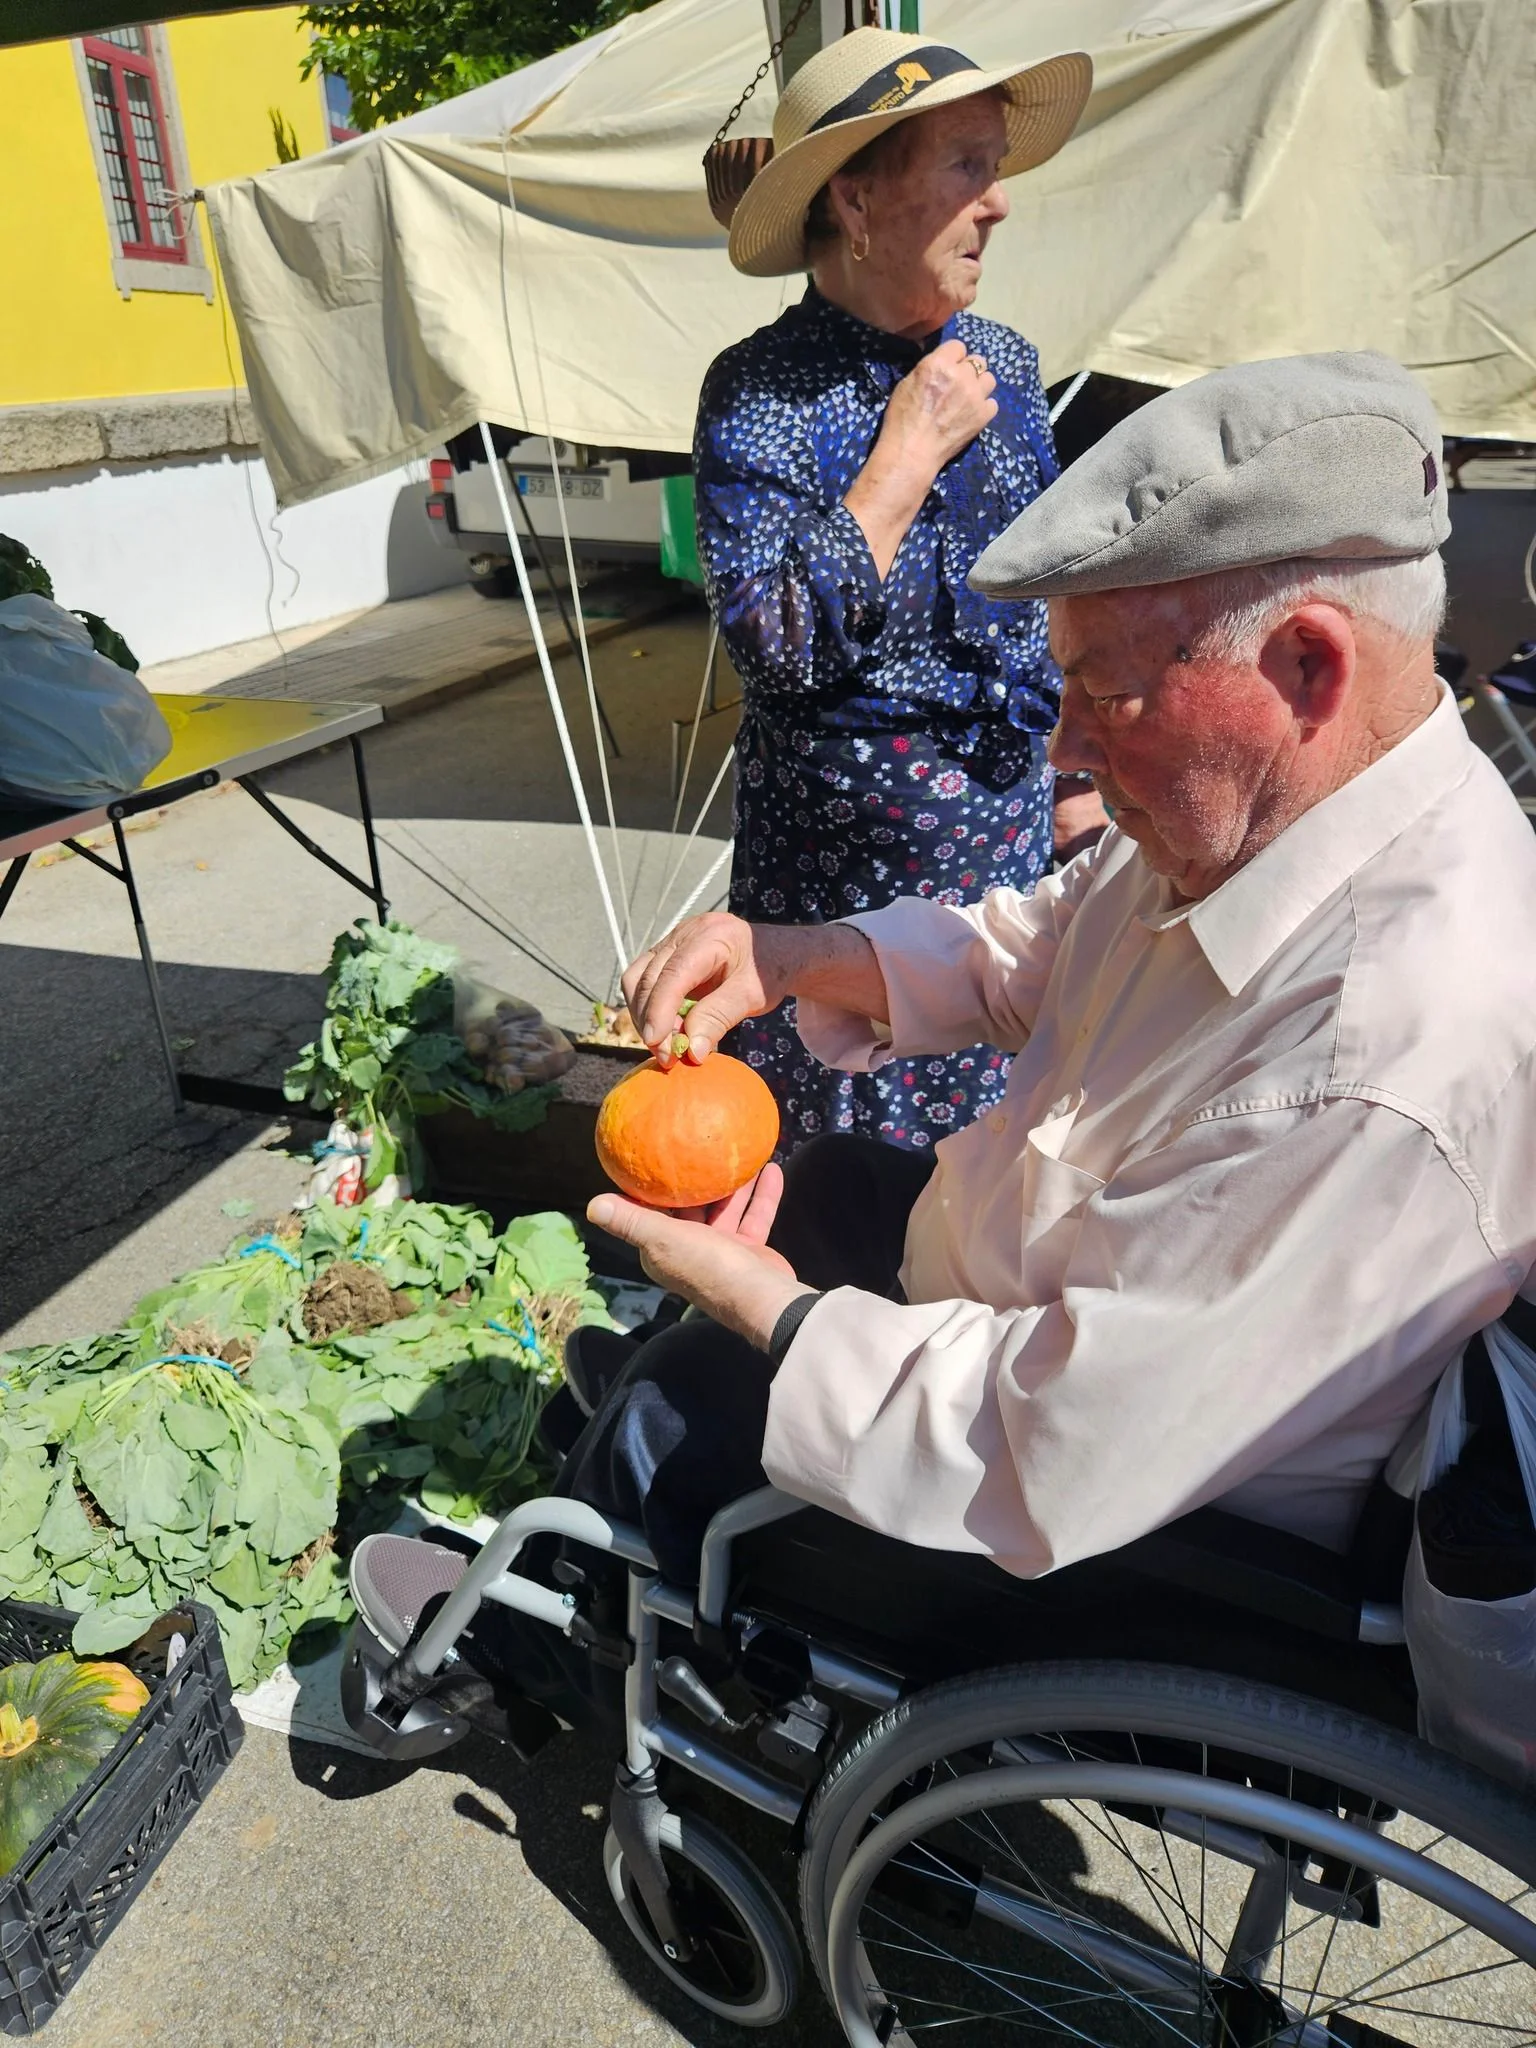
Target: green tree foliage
{"type": "Point", "coordinates": [398, 55]}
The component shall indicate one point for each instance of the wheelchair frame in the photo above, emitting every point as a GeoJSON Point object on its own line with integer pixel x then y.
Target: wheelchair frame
{"type": "Point", "coordinates": [404, 1704]}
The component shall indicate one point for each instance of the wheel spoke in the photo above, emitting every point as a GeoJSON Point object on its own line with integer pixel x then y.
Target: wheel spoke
{"type": "Point", "coordinates": [994, 1979]}
{"type": "Point", "coordinates": [1429, 1948]}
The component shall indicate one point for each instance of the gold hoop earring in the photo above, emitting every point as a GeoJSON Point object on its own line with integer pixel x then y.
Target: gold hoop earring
{"type": "Point", "coordinates": [856, 252]}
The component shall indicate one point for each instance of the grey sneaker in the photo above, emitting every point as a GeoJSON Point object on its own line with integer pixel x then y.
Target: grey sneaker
{"type": "Point", "coordinates": [393, 1578]}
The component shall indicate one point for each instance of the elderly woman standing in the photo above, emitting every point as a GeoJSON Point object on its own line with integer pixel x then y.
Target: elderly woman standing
{"type": "Point", "coordinates": [851, 462]}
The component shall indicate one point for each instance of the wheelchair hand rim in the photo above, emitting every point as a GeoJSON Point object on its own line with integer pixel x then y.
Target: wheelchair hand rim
{"type": "Point", "coordinates": [1324, 1833]}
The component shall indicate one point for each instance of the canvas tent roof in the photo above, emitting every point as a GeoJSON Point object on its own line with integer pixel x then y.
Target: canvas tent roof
{"type": "Point", "coordinates": [1249, 179]}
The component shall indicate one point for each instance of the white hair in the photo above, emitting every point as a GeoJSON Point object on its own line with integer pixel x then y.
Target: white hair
{"type": "Point", "coordinates": [1237, 607]}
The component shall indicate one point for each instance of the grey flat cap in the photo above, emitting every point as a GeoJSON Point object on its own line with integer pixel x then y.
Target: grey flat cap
{"type": "Point", "coordinates": [1334, 456]}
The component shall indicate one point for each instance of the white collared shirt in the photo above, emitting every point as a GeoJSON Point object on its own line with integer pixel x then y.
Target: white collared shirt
{"type": "Point", "coordinates": [1264, 1163]}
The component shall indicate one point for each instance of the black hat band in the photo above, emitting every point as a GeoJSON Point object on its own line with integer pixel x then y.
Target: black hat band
{"type": "Point", "coordinates": [894, 84]}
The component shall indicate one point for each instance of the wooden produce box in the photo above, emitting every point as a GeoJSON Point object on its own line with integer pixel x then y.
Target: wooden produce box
{"type": "Point", "coordinates": [553, 1166]}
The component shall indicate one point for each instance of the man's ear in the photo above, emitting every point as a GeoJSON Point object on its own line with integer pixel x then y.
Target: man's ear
{"type": "Point", "coordinates": [1310, 658]}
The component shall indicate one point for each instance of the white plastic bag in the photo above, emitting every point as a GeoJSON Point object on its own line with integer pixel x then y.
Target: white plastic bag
{"type": "Point", "coordinates": [74, 727]}
{"type": "Point", "coordinates": [1474, 1661]}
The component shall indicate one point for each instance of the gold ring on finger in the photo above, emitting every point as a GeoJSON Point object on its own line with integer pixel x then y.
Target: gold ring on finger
{"type": "Point", "coordinates": [978, 364]}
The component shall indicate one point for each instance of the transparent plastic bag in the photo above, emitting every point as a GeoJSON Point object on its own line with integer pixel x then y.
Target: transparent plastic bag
{"type": "Point", "coordinates": [1474, 1661]}
{"type": "Point", "coordinates": [507, 1037]}
{"type": "Point", "coordinates": [74, 727]}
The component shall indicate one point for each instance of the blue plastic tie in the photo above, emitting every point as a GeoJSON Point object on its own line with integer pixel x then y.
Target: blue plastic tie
{"type": "Point", "coordinates": [270, 1244]}
{"type": "Point", "coordinates": [528, 1342]}
{"type": "Point", "coordinates": [196, 1358]}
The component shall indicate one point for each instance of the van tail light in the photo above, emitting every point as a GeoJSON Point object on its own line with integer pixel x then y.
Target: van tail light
{"type": "Point", "coordinates": [440, 470]}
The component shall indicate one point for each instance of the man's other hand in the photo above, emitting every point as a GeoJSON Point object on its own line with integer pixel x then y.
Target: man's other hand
{"type": "Point", "coordinates": [730, 969]}
{"type": "Point", "coordinates": [719, 1259]}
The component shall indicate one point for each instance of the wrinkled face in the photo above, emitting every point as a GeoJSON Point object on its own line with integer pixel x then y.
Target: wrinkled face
{"type": "Point", "coordinates": [1191, 754]}
{"type": "Point", "coordinates": [932, 203]}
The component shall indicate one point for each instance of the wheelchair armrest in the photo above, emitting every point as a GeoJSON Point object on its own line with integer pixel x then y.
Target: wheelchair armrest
{"type": "Point", "coordinates": [1244, 1564]}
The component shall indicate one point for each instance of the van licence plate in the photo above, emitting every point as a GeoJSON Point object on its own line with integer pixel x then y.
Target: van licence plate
{"type": "Point", "coordinates": [537, 484]}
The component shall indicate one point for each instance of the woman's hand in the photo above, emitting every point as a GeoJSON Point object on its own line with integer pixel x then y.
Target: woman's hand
{"type": "Point", "coordinates": [719, 1259]}
{"type": "Point", "coordinates": [935, 411]}
{"type": "Point", "coordinates": [938, 409]}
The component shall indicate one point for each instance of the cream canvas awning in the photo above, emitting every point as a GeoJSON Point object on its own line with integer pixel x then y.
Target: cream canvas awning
{"type": "Point", "coordinates": [1249, 180]}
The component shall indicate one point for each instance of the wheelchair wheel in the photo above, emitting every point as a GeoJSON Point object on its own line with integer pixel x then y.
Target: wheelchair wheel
{"type": "Point", "coordinates": [748, 1966]}
{"type": "Point", "coordinates": [1051, 1914]}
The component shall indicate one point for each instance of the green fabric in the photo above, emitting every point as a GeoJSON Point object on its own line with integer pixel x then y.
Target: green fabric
{"type": "Point", "coordinates": [43, 21]}
{"type": "Point", "coordinates": [679, 535]}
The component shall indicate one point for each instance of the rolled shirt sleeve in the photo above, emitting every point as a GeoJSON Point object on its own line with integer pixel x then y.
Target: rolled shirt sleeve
{"type": "Point", "coordinates": [781, 575]}
{"type": "Point", "coordinates": [957, 976]}
{"type": "Point", "coordinates": [1213, 1320]}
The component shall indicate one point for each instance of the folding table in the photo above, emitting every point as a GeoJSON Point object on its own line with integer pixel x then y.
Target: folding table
{"type": "Point", "coordinates": [214, 739]}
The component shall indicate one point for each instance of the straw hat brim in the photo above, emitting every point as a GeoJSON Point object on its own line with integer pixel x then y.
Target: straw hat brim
{"type": "Point", "coordinates": [1043, 105]}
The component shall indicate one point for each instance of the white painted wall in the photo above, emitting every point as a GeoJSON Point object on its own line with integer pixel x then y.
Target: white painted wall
{"type": "Point", "coordinates": [185, 555]}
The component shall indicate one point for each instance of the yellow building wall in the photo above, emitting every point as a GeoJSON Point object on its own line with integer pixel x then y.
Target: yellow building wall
{"type": "Point", "coordinates": [66, 332]}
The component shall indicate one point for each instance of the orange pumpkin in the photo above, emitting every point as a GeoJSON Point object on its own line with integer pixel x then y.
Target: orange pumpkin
{"type": "Point", "coordinates": [679, 1136]}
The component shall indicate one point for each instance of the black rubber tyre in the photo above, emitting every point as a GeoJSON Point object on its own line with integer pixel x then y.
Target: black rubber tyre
{"type": "Point", "coordinates": [751, 1975]}
{"type": "Point", "coordinates": [1150, 1700]}
{"type": "Point", "coordinates": [498, 582]}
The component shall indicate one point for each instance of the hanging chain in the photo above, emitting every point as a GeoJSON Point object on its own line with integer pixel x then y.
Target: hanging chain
{"type": "Point", "coordinates": [766, 66]}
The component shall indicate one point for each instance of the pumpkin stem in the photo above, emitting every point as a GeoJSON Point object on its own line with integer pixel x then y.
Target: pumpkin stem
{"type": "Point", "coordinates": [16, 1736]}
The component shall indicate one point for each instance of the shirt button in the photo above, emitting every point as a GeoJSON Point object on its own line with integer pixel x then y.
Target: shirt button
{"type": "Point", "coordinates": [998, 1120]}
{"type": "Point", "coordinates": [992, 632]}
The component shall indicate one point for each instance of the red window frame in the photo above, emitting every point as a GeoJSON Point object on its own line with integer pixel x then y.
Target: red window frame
{"type": "Point", "coordinates": [121, 63]}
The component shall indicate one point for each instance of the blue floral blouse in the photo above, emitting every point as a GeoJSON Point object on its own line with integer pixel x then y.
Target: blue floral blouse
{"type": "Point", "coordinates": [892, 736]}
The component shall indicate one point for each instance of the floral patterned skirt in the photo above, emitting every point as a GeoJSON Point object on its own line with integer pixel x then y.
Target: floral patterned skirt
{"type": "Point", "coordinates": [850, 825]}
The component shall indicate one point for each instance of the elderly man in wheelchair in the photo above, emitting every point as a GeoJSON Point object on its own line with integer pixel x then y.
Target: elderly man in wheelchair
{"type": "Point", "coordinates": [1024, 1527]}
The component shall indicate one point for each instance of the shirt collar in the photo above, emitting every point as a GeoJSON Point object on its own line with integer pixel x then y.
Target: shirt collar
{"type": "Point", "coordinates": [866, 341]}
{"type": "Point", "coordinates": [1249, 918]}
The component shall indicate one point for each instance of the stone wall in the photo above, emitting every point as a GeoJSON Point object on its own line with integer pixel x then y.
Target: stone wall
{"type": "Point", "coordinates": [87, 432]}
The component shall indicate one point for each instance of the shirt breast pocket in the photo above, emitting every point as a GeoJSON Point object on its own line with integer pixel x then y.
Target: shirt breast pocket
{"type": "Point", "coordinates": [1055, 1197]}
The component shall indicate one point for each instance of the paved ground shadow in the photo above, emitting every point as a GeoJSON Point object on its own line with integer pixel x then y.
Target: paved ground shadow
{"type": "Point", "coordinates": [553, 1812]}
{"type": "Point", "coordinates": [90, 1146]}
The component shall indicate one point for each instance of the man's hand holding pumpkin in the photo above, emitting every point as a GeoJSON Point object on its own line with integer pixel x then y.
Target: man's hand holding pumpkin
{"type": "Point", "coordinates": [719, 1259]}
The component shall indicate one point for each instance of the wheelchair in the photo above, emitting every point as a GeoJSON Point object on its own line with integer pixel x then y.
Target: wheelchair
{"type": "Point", "coordinates": [1168, 1796]}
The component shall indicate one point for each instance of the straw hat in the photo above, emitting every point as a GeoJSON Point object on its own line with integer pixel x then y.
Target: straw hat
{"type": "Point", "coordinates": [857, 88]}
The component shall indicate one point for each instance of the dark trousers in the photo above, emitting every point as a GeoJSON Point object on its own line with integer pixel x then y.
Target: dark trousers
{"type": "Point", "coordinates": [680, 1432]}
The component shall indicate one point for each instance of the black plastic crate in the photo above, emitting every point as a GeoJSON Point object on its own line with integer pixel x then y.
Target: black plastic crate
{"type": "Point", "coordinates": [78, 1879]}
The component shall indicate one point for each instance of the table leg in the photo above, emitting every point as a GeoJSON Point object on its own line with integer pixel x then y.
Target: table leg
{"type": "Point", "coordinates": [13, 876]}
{"type": "Point", "coordinates": [365, 808]}
{"type": "Point", "coordinates": [148, 958]}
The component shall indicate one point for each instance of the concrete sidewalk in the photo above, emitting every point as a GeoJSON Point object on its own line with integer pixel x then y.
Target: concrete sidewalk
{"type": "Point", "coordinates": [420, 652]}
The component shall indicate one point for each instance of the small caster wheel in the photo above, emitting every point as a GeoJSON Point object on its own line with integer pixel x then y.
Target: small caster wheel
{"type": "Point", "coordinates": [747, 1968]}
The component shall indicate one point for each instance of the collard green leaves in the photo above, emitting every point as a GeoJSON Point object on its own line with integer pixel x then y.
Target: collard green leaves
{"type": "Point", "coordinates": [213, 1448]}
{"type": "Point", "coordinates": [388, 1053]}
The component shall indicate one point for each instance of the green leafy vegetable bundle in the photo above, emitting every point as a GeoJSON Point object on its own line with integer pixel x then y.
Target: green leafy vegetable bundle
{"type": "Point", "coordinates": [388, 1051]}
{"type": "Point", "coordinates": [240, 1422]}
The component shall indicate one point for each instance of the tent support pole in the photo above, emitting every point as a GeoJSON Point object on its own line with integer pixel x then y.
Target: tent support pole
{"type": "Point", "coordinates": [536, 627]}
